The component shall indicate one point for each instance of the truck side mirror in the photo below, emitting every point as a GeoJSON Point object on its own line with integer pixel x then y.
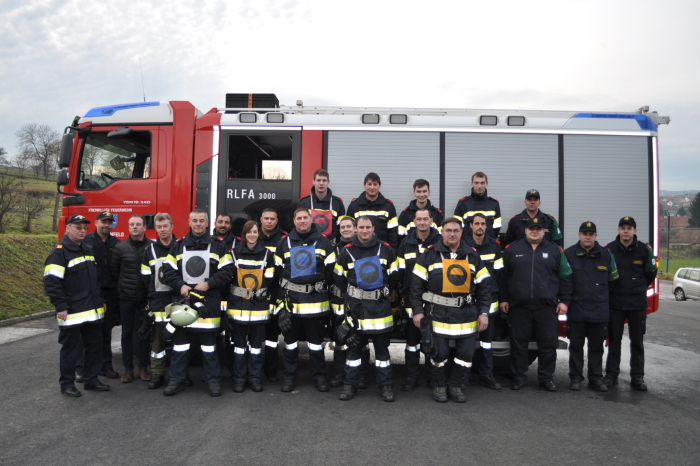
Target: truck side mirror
{"type": "Point", "coordinates": [66, 149]}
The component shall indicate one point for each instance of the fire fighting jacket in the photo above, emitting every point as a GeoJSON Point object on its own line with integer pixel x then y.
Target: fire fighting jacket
{"type": "Point", "coordinates": [594, 273]}
{"type": "Point", "coordinates": [252, 270]}
{"type": "Point", "coordinates": [382, 210]}
{"type": "Point", "coordinates": [331, 204]}
{"type": "Point", "coordinates": [452, 275]}
{"type": "Point", "coordinates": [516, 227]}
{"type": "Point", "coordinates": [410, 249]}
{"type": "Point", "coordinates": [369, 267]}
{"type": "Point", "coordinates": [152, 270]}
{"type": "Point", "coordinates": [479, 204]}
{"type": "Point", "coordinates": [490, 252]}
{"type": "Point", "coordinates": [71, 283]}
{"type": "Point", "coordinates": [193, 260]}
{"type": "Point", "coordinates": [305, 259]}
{"type": "Point", "coordinates": [409, 213]}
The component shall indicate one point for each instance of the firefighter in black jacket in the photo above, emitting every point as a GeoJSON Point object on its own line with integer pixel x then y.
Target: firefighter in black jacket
{"type": "Point", "coordinates": [594, 273]}
{"type": "Point", "coordinates": [421, 191]}
{"type": "Point", "coordinates": [628, 300]}
{"type": "Point", "coordinates": [479, 202]}
{"type": "Point", "coordinates": [222, 229]}
{"type": "Point", "coordinates": [102, 244]}
{"type": "Point", "coordinates": [374, 204]}
{"type": "Point", "coordinates": [304, 263]}
{"type": "Point", "coordinates": [159, 296]}
{"type": "Point", "coordinates": [366, 271]}
{"type": "Point", "coordinates": [71, 283]}
{"type": "Point", "coordinates": [453, 285]}
{"type": "Point", "coordinates": [125, 268]}
{"type": "Point", "coordinates": [518, 223]}
{"type": "Point", "coordinates": [534, 287]}
{"type": "Point", "coordinates": [325, 208]}
{"type": "Point", "coordinates": [489, 251]}
{"type": "Point", "coordinates": [249, 306]}
{"type": "Point", "coordinates": [198, 266]}
{"type": "Point", "coordinates": [270, 237]}
{"type": "Point", "coordinates": [415, 244]}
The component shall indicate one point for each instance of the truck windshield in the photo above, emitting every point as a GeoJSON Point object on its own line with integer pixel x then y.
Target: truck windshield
{"type": "Point", "coordinates": [107, 160]}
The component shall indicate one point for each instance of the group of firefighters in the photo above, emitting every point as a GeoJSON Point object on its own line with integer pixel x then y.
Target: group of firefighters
{"type": "Point", "coordinates": [362, 274]}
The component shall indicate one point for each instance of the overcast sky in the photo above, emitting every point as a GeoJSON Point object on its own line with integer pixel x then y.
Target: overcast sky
{"type": "Point", "coordinates": [58, 59]}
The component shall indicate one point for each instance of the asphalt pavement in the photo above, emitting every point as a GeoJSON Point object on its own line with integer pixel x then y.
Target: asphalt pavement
{"type": "Point", "coordinates": [134, 425]}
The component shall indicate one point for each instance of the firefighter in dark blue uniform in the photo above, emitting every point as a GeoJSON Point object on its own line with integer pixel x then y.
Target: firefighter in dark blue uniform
{"type": "Point", "coordinates": [518, 223]}
{"type": "Point", "coordinates": [366, 271]}
{"type": "Point", "coordinates": [534, 288]}
{"type": "Point", "coordinates": [421, 191]}
{"type": "Point", "coordinates": [304, 262]}
{"type": "Point", "coordinates": [489, 251]}
{"type": "Point", "coordinates": [325, 208]}
{"type": "Point", "coordinates": [198, 266]}
{"type": "Point", "coordinates": [72, 285]}
{"type": "Point", "coordinates": [636, 265]}
{"type": "Point", "coordinates": [372, 203]}
{"type": "Point", "coordinates": [453, 287]}
{"type": "Point", "coordinates": [479, 202]}
{"type": "Point", "coordinates": [270, 237]}
{"type": "Point", "coordinates": [415, 244]}
{"type": "Point", "coordinates": [594, 273]}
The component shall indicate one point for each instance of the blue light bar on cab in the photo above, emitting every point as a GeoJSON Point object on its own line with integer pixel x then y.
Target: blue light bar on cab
{"type": "Point", "coordinates": [643, 121]}
{"type": "Point", "coordinates": [110, 110]}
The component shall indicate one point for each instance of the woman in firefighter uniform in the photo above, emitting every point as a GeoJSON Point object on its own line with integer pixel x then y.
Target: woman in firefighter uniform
{"type": "Point", "coordinates": [249, 306]}
{"type": "Point", "coordinates": [304, 262]}
{"type": "Point", "coordinates": [198, 266]}
{"type": "Point", "coordinates": [455, 287]}
{"type": "Point", "coordinates": [366, 271]}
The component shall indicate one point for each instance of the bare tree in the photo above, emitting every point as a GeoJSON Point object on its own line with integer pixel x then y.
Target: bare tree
{"type": "Point", "coordinates": [4, 160]}
{"type": "Point", "coordinates": [91, 158]}
{"type": "Point", "coordinates": [21, 161]}
{"type": "Point", "coordinates": [9, 197]}
{"type": "Point", "coordinates": [275, 173]}
{"type": "Point", "coordinates": [31, 204]}
{"type": "Point", "coordinates": [43, 143]}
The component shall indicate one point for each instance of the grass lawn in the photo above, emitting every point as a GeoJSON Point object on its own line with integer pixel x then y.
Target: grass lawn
{"type": "Point", "coordinates": [674, 265]}
{"type": "Point", "coordinates": [21, 271]}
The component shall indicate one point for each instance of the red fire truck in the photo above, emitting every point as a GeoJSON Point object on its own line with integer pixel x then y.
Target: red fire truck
{"type": "Point", "coordinates": [150, 157]}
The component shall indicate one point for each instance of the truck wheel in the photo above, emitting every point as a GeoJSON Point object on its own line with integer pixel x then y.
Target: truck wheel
{"type": "Point", "coordinates": [680, 295]}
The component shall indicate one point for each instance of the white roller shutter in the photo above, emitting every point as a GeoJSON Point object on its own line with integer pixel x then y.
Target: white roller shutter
{"type": "Point", "coordinates": [605, 178]}
{"type": "Point", "coordinates": [397, 157]}
{"type": "Point", "coordinates": [513, 163]}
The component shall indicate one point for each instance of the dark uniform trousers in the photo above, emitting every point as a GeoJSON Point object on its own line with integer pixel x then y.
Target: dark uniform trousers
{"type": "Point", "coordinates": [483, 358]}
{"type": "Point", "coordinates": [157, 350]}
{"type": "Point", "coordinates": [247, 360]}
{"type": "Point", "coordinates": [358, 354]}
{"type": "Point", "coordinates": [112, 301]}
{"type": "Point", "coordinates": [74, 341]}
{"type": "Point", "coordinates": [577, 333]}
{"type": "Point", "coordinates": [412, 351]}
{"type": "Point", "coordinates": [272, 335]}
{"type": "Point", "coordinates": [130, 311]}
{"type": "Point", "coordinates": [463, 359]}
{"type": "Point", "coordinates": [545, 323]}
{"type": "Point", "coordinates": [180, 361]}
{"type": "Point", "coordinates": [636, 324]}
{"type": "Point", "coordinates": [312, 328]}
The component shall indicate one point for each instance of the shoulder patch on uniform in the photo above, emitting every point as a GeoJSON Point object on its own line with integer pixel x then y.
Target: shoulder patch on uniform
{"type": "Point", "coordinates": [496, 200]}
{"type": "Point", "coordinates": [462, 198]}
{"type": "Point", "coordinates": [474, 249]}
{"type": "Point", "coordinates": [386, 244]}
{"type": "Point", "coordinates": [429, 247]}
{"type": "Point", "coordinates": [648, 247]}
{"type": "Point", "coordinates": [513, 217]}
{"type": "Point", "coordinates": [353, 199]}
{"type": "Point", "coordinates": [219, 238]}
{"type": "Point", "coordinates": [438, 210]}
{"type": "Point", "coordinates": [340, 199]}
{"type": "Point", "coordinates": [348, 245]}
{"type": "Point", "coordinates": [561, 249]}
{"type": "Point", "coordinates": [508, 246]}
{"type": "Point", "coordinates": [59, 246]}
{"type": "Point", "coordinates": [405, 209]}
{"type": "Point", "coordinates": [284, 233]}
{"type": "Point", "coordinates": [389, 200]}
{"type": "Point", "coordinates": [497, 242]}
{"type": "Point", "coordinates": [283, 237]}
{"type": "Point", "coordinates": [180, 239]}
{"type": "Point", "coordinates": [551, 215]}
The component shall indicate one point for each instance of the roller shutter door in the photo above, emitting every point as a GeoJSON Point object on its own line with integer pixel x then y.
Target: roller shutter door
{"type": "Point", "coordinates": [399, 158]}
{"type": "Point", "coordinates": [513, 163]}
{"type": "Point", "coordinates": [606, 178]}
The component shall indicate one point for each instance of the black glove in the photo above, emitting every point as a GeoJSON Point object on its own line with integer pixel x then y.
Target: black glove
{"type": "Point", "coordinates": [428, 346]}
{"type": "Point", "coordinates": [284, 320]}
{"type": "Point", "coordinates": [144, 332]}
{"type": "Point", "coordinates": [347, 335]}
{"type": "Point", "coordinates": [198, 302]}
{"type": "Point", "coordinates": [167, 333]}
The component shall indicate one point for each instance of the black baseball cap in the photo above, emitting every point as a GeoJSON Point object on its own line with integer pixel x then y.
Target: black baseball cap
{"type": "Point", "coordinates": [534, 223]}
{"type": "Point", "coordinates": [77, 218]}
{"type": "Point", "coordinates": [587, 226]}
{"type": "Point", "coordinates": [532, 193]}
{"type": "Point", "coordinates": [628, 220]}
{"type": "Point", "coordinates": [105, 215]}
